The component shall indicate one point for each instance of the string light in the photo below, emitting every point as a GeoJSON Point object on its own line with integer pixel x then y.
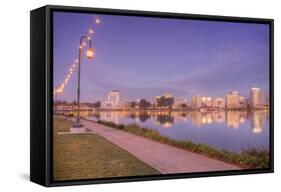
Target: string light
{"type": "Point", "coordinates": [97, 20]}
{"type": "Point", "coordinates": [60, 89]}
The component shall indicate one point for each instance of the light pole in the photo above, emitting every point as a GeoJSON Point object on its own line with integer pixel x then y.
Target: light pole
{"type": "Point", "coordinates": [56, 95]}
{"type": "Point", "coordinates": [78, 127]}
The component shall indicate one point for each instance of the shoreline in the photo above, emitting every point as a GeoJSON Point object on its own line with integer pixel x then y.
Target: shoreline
{"type": "Point", "coordinates": [161, 156]}
{"type": "Point", "coordinates": [249, 159]}
{"type": "Point", "coordinates": [202, 110]}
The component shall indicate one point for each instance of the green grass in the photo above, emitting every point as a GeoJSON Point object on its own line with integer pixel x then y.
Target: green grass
{"type": "Point", "coordinates": [248, 159]}
{"type": "Point", "coordinates": [90, 156]}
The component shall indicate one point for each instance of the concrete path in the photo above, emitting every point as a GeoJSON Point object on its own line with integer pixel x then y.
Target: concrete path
{"type": "Point", "coordinates": [162, 157]}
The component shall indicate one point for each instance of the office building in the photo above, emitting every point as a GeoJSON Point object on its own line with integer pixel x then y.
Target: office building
{"type": "Point", "coordinates": [256, 98]}
{"type": "Point", "coordinates": [232, 100]}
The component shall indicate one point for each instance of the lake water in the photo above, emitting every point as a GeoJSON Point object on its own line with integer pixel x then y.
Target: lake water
{"type": "Point", "coordinates": [232, 130]}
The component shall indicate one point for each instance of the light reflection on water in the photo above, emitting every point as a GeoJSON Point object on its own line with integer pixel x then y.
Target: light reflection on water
{"type": "Point", "coordinates": [230, 130]}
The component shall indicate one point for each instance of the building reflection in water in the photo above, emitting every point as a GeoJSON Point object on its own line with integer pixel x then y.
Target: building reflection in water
{"type": "Point", "coordinates": [258, 121]}
{"type": "Point", "coordinates": [166, 119]}
{"type": "Point", "coordinates": [198, 118]}
{"type": "Point", "coordinates": [219, 117]}
{"type": "Point", "coordinates": [233, 119]}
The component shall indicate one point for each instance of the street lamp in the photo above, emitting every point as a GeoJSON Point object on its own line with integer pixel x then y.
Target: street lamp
{"type": "Point", "coordinates": [90, 53]}
{"type": "Point", "coordinates": [78, 127]}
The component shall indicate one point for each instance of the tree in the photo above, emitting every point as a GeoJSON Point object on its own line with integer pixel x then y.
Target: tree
{"type": "Point", "coordinates": [143, 104]}
{"type": "Point", "coordinates": [133, 104]}
{"type": "Point", "coordinates": [165, 101]}
{"type": "Point", "coordinates": [97, 104]}
{"type": "Point", "coordinates": [160, 101]}
{"type": "Point", "coordinates": [183, 105]}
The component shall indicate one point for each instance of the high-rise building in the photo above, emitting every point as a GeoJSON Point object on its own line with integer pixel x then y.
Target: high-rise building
{"type": "Point", "coordinates": [207, 101]}
{"type": "Point", "coordinates": [256, 97]}
{"type": "Point", "coordinates": [219, 102]}
{"type": "Point", "coordinates": [113, 99]}
{"type": "Point", "coordinates": [196, 101]}
{"type": "Point", "coordinates": [232, 100]}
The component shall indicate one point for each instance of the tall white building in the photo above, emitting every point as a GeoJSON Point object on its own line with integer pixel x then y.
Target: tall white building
{"type": "Point", "coordinates": [207, 101]}
{"type": "Point", "coordinates": [232, 100]}
{"type": "Point", "coordinates": [196, 101]}
{"type": "Point", "coordinates": [113, 99]}
{"type": "Point", "coordinates": [256, 97]}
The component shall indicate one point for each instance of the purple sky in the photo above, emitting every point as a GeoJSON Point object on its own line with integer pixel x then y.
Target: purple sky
{"type": "Point", "coordinates": [144, 57]}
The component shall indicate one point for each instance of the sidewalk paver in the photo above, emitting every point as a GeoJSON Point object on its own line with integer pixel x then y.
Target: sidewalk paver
{"type": "Point", "coordinates": [162, 157]}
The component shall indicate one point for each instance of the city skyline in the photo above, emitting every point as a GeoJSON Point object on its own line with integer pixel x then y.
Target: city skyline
{"type": "Point", "coordinates": [231, 100]}
{"type": "Point", "coordinates": [145, 57]}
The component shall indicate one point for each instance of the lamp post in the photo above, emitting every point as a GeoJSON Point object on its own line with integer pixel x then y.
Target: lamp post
{"type": "Point", "coordinates": [78, 127]}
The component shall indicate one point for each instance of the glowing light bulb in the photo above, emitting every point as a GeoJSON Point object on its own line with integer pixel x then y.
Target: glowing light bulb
{"type": "Point", "coordinates": [90, 53]}
{"type": "Point", "coordinates": [97, 21]}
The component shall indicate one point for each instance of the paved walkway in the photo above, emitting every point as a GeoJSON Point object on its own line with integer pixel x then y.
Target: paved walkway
{"type": "Point", "coordinates": [162, 157]}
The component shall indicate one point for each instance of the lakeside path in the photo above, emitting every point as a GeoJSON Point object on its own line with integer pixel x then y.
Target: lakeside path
{"type": "Point", "coordinates": [164, 158]}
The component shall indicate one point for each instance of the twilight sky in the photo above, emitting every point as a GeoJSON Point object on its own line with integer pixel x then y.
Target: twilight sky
{"type": "Point", "coordinates": [144, 57]}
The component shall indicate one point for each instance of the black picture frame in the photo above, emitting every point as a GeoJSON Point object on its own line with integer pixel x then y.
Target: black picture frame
{"type": "Point", "coordinates": [41, 54]}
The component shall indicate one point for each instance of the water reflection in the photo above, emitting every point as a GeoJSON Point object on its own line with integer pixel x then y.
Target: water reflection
{"type": "Point", "coordinates": [230, 130]}
{"type": "Point", "coordinates": [166, 119]}
{"type": "Point", "coordinates": [258, 121]}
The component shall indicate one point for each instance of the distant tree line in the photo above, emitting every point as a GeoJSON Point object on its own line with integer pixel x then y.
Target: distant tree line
{"type": "Point", "coordinates": [165, 101]}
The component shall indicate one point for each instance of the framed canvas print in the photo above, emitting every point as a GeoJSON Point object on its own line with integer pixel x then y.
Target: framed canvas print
{"type": "Point", "coordinates": [119, 95]}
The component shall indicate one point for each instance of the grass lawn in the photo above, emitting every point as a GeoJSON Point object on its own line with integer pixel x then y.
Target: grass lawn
{"type": "Point", "coordinates": [90, 156]}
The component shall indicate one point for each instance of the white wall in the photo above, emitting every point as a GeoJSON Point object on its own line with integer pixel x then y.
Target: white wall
{"type": "Point", "coordinates": [14, 108]}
